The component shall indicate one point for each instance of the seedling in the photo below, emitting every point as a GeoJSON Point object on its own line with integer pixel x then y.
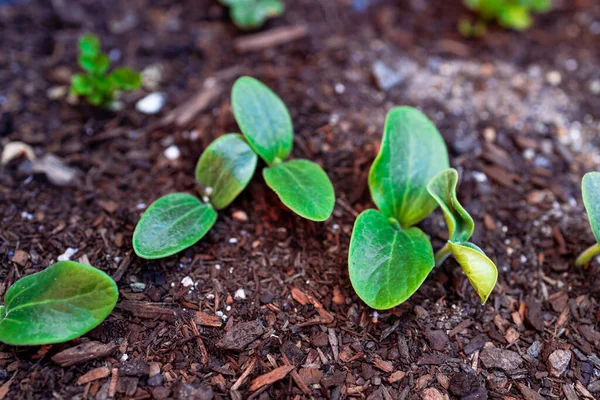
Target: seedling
{"type": "Point", "coordinates": [58, 304]}
{"type": "Point", "coordinates": [590, 188]}
{"type": "Point", "coordinates": [252, 14]}
{"type": "Point", "coordinates": [510, 14]}
{"type": "Point", "coordinates": [177, 221]}
{"type": "Point", "coordinates": [389, 257]}
{"type": "Point", "coordinates": [265, 121]}
{"type": "Point", "coordinates": [97, 85]}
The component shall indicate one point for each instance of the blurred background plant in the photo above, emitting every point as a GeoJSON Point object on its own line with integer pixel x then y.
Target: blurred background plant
{"type": "Point", "coordinates": [510, 14]}
{"type": "Point", "coordinates": [252, 14]}
{"type": "Point", "coordinates": [96, 85]}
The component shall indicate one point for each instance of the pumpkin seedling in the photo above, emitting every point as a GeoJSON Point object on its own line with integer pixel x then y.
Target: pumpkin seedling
{"type": "Point", "coordinates": [590, 188]}
{"type": "Point", "coordinates": [265, 121]}
{"type": "Point", "coordinates": [58, 304]}
{"type": "Point", "coordinates": [97, 85]}
{"type": "Point", "coordinates": [480, 270]}
{"type": "Point", "coordinates": [510, 14]}
{"type": "Point", "coordinates": [177, 221]}
{"type": "Point", "coordinates": [389, 257]}
{"type": "Point", "coordinates": [252, 14]}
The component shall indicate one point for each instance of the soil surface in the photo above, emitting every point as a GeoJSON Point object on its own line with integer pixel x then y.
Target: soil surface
{"type": "Point", "coordinates": [262, 307]}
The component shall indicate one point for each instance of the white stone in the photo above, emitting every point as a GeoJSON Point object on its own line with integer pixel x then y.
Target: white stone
{"type": "Point", "coordinates": [151, 104]}
{"type": "Point", "coordinates": [172, 152]}
{"type": "Point", "coordinates": [240, 294]}
{"type": "Point", "coordinates": [187, 282]}
{"type": "Point", "coordinates": [66, 256]}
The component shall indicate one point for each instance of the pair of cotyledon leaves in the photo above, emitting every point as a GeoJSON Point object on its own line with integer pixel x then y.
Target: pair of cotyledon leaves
{"type": "Point", "coordinates": [389, 258]}
{"type": "Point", "coordinates": [177, 221]}
{"type": "Point", "coordinates": [57, 304]}
{"type": "Point", "coordinates": [590, 188]}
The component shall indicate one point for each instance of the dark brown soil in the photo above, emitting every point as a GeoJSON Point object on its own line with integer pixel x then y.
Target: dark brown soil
{"type": "Point", "coordinates": [520, 113]}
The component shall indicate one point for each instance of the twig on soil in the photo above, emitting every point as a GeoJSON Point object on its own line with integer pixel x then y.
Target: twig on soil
{"type": "Point", "coordinates": [270, 38]}
{"type": "Point", "coordinates": [271, 377]}
{"type": "Point", "coordinates": [244, 375]}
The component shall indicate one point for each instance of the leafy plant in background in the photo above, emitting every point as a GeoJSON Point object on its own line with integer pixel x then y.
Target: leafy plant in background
{"type": "Point", "coordinates": [389, 257]}
{"type": "Point", "coordinates": [97, 85]}
{"type": "Point", "coordinates": [252, 14]}
{"type": "Point", "coordinates": [590, 188]}
{"type": "Point", "coordinates": [511, 14]}
{"type": "Point", "coordinates": [58, 304]}
{"type": "Point", "coordinates": [177, 221]}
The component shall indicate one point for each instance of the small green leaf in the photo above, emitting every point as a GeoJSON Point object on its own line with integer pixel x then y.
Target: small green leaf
{"type": "Point", "coordinates": [514, 16]}
{"type": "Point", "coordinates": [386, 264]}
{"type": "Point", "coordinates": [443, 189]}
{"type": "Point", "coordinates": [89, 45]}
{"type": "Point", "coordinates": [590, 188]}
{"type": "Point", "coordinates": [412, 152]}
{"type": "Point", "coordinates": [302, 186]}
{"type": "Point", "coordinates": [253, 14]}
{"type": "Point", "coordinates": [263, 118]}
{"type": "Point", "coordinates": [96, 65]}
{"type": "Point", "coordinates": [226, 167]}
{"type": "Point", "coordinates": [57, 304]}
{"type": "Point", "coordinates": [81, 84]}
{"type": "Point", "coordinates": [126, 79]}
{"type": "Point", "coordinates": [172, 223]}
{"type": "Point", "coordinates": [480, 270]}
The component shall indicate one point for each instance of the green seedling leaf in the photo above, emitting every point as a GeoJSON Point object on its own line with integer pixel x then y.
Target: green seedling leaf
{"type": "Point", "coordinates": [172, 223]}
{"type": "Point", "coordinates": [412, 152]}
{"type": "Point", "coordinates": [302, 186]}
{"type": "Point", "coordinates": [443, 189]}
{"type": "Point", "coordinates": [590, 187]}
{"type": "Point", "coordinates": [57, 304]}
{"type": "Point", "coordinates": [480, 270]}
{"type": "Point", "coordinates": [263, 118]}
{"type": "Point", "coordinates": [89, 45]}
{"type": "Point", "coordinates": [253, 14]}
{"type": "Point", "coordinates": [81, 84]}
{"type": "Point", "coordinates": [387, 264]}
{"type": "Point", "coordinates": [225, 169]}
{"type": "Point", "coordinates": [514, 16]}
{"type": "Point", "coordinates": [126, 79]}
{"type": "Point", "coordinates": [95, 65]}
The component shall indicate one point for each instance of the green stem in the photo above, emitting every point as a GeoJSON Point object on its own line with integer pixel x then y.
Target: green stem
{"type": "Point", "coordinates": [587, 255]}
{"type": "Point", "coordinates": [442, 254]}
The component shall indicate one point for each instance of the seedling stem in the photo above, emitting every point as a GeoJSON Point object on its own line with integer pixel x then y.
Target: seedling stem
{"type": "Point", "coordinates": [442, 254]}
{"type": "Point", "coordinates": [587, 255]}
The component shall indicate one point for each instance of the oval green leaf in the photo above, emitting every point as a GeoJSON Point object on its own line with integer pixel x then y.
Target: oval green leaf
{"type": "Point", "coordinates": [590, 188]}
{"type": "Point", "coordinates": [302, 186]}
{"type": "Point", "coordinates": [263, 118]}
{"type": "Point", "coordinates": [57, 304]}
{"type": "Point", "coordinates": [252, 15]}
{"type": "Point", "coordinates": [443, 189]}
{"type": "Point", "coordinates": [412, 152]}
{"type": "Point", "coordinates": [225, 169]}
{"type": "Point", "coordinates": [480, 270]}
{"type": "Point", "coordinates": [172, 223]}
{"type": "Point", "coordinates": [126, 79]}
{"type": "Point", "coordinates": [387, 264]}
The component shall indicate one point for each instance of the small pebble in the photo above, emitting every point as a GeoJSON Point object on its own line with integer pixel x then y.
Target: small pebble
{"type": "Point", "coordinates": [558, 362]}
{"type": "Point", "coordinates": [66, 256]}
{"type": "Point", "coordinates": [172, 152]}
{"type": "Point", "coordinates": [554, 78]}
{"type": "Point", "coordinates": [151, 104]}
{"type": "Point", "coordinates": [240, 216]}
{"type": "Point", "coordinates": [26, 215]}
{"type": "Point", "coordinates": [187, 282]}
{"type": "Point", "coordinates": [240, 294]}
{"type": "Point", "coordinates": [137, 287]}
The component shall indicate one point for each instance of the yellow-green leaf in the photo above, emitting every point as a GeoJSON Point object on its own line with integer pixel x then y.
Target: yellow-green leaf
{"type": "Point", "coordinates": [480, 270]}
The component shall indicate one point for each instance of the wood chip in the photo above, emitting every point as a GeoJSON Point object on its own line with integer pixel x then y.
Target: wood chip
{"type": "Point", "coordinates": [83, 353]}
{"type": "Point", "coordinates": [460, 327]}
{"type": "Point", "coordinates": [93, 375]}
{"type": "Point", "coordinates": [270, 38]}
{"type": "Point", "coordinates": [185, 113]}
{"type": "Point", "coordinates": [21, 257]}
{"type": "Point", "coordinates": [396, 376]}
{"type": "Point", "coordinates": [271, 377]}
{"type": "Point", "coordinates": [244, 375]}
{"type": "Point", "coordinates": [511, 335]}
{"type": "Point", "coordinates": [5, 388]}
{"type": "Point", "coordinates": [206, 319]}
{"type": "Point", "coordinates": [385, 366]}
{"type": "Point", "coordinates": [114, 379]}
{"type": "Point", "coordinates": [147, 310]}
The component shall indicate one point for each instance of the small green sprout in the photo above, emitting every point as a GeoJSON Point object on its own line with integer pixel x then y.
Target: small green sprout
{"type": "Point", "coordinates": [58, 304]}
{"type": "Point", "coordinates": [252, 14]}
{"type": "Point", "coordinates": [590, 188]}
{"type": "Point", "coordinates": [97, 85]}
{"type": "Point", "coordinates": [510, 14]}
{"type": "Point", "coordinates": [177, 221]}
{"type": "Point", "coordinates": [265, 121]}
{"type": "Point", "coordinates": [389, 257]}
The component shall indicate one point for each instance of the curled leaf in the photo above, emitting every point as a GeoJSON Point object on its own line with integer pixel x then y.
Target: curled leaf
{"type": "Point", "coordinates": [412, 152]}
{"type": "Point", "coordinates": [172, 223]}
{"type": "Point", "coordinates": [226, 167]}
{"type": "Point", "coordinates": [263, 118]}
{"type": "Point", "coordinates": [387, 264]}
{"type": "Point", "coordinates": [302, 186]}
{"type": "Point", "coordinates": [443, 189]}
{"type": "Point", "coordinates": [480, 270]}
{"type": "Point", "coordinates": [58, 304]}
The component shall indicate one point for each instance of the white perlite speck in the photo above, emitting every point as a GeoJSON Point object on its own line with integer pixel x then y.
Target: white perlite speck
{"type": "Point", "coordinates": [187, 282]}
{"type": "Point", "coordinates": [240, 294]}
{"type": "Point", "coordinates": [151, 104]}
{"type": "Point", "coordinates": [172, 152]}
{"type": "Point", "coordinates": [66, 256]}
